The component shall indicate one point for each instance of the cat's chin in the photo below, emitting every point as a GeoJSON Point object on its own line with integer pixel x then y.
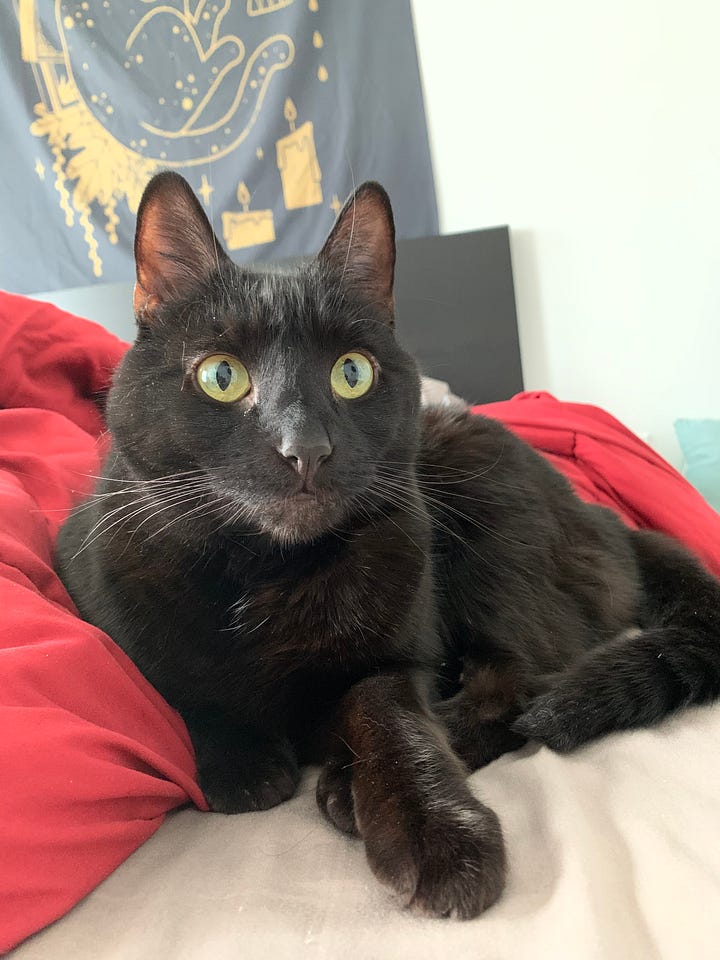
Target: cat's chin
{"type": "Point", "coordinates": [300, 518]}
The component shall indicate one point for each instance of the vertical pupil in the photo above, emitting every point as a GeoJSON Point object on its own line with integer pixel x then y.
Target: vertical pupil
{"type": "Point", "coordinates": [351, 372]}
{"type": "Point", "coordinates": [223, 375]}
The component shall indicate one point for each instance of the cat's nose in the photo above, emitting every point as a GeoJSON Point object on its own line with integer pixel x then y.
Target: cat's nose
{"type": "Point", "coordinates": [306, 457]}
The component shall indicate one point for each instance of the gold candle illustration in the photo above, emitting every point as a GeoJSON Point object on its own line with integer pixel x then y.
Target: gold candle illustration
{"type": "Point", "coordinates": [249, 228]}
{"type": "Point", "coordinates": [298, 163]}
{"type": "Point", "coordinates": [256, 8]}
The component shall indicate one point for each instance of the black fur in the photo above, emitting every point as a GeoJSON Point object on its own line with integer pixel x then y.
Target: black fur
{"type": "Point", "coordinates": [428, 589]}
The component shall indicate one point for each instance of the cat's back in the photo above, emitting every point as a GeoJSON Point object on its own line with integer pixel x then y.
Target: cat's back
{"type": "Point", "coordinates": [518, 554]}
{"type": "Point", "coordinates": [469, 454]}
{"type": "Point", "coordinates": [462, 453]}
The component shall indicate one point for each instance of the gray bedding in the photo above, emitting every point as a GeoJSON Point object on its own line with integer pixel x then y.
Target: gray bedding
{"type": "Point", "coordinates": [614, 854]}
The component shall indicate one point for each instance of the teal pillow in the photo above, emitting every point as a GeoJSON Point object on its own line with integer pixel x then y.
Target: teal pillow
{"type": "Point", "coordinates": [700, 444]}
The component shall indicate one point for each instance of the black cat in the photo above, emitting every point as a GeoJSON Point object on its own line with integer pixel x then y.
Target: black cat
{"type": "Point", "coordinates": [305, 563]}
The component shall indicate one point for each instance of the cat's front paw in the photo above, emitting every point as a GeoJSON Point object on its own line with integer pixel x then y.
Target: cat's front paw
{"type": "Point", "coordinates": [252, 782]}
{"type": "Point", "coordinates": [448, 863]}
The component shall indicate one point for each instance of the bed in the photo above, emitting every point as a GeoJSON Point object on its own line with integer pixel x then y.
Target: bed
{"type": "Point", "coordinates": [614, 854]}
{"type": "Point", "coordinates": [614, 851]}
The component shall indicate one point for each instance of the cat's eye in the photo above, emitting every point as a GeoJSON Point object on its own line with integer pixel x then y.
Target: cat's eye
{"type": "Point", "coordinates": [223, 378]}
{"type": "Point", "coordinates": [352, 376]}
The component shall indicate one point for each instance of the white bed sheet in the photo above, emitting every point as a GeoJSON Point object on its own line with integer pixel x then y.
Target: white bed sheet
{"type": "Point", "coordinates": [614, 854]}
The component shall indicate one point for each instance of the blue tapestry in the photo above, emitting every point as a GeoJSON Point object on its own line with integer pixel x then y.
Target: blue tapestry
{"type": "Point", "coordinates": [272, 109]}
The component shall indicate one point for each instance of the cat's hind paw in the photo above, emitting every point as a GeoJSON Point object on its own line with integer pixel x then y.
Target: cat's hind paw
{"type": "Point", "coordinates": [561, 722]}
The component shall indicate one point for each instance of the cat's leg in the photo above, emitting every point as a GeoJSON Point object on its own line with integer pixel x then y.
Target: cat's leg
{"type": "Point", "coordinates": [478, 718]}
{"type": "Point", "coordinates": [240, 768]}
{"type": "Point", "coordinates": [635, 680]}
{"type": "Point", "coordinates": [426, 835]}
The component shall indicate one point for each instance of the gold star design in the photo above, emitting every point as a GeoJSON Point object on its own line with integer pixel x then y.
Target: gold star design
{"type": "Point", "coordinates": [205, 190]}
{"type": "Point", "coordinates": [335, 204]}
{"type": "Point", "coordinates": [259, 153]}
{"type": "Point", "coordinates": [40, 169]}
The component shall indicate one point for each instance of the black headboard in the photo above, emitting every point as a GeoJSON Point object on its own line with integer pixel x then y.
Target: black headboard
{"type": "Point", "coordinates": [455, 310]}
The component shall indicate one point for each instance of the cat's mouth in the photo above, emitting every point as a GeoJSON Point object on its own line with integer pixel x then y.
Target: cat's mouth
{"type": "Point", "coordinates": [300, 517]}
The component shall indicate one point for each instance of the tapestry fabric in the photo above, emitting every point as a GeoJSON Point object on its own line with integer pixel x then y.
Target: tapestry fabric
{"type": "Point", "coordinates": [272, 109]}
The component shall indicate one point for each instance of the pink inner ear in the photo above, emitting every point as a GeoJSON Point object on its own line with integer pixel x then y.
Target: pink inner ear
{"type": "Point", "coordinates": [176, 251]}
{"type": "Point", "coordinates": [144, 303]}
{"type": "Point", "coordinates": [154, 272]}
{"type": "Point", "coordinates": [362, 244]}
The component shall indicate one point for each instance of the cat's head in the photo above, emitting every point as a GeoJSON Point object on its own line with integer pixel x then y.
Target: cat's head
{"type": "Point", "coordinates": [284, 392]}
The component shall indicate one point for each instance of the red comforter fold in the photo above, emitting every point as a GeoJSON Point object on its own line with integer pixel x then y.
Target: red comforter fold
{"type": "Point", "coordinates": [91, 757]}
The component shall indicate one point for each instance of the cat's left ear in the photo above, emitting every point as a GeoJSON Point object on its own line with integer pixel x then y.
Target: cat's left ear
{"type": "Point", "coordinates": [176, 251]}
{"type": "Point", "coordinates": [361, 246]}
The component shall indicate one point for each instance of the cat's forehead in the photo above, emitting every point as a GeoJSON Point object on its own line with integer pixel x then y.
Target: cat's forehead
{"type": "Point", "coordinates": [301, 304]}
{"type": "Point", "coordinates": [281, 297]}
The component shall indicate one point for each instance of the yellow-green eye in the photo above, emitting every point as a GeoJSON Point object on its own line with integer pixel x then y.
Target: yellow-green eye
{"type": "Point", "coordinates": [223, 378]}
{"type": "Point", "coordinates": [352, 376]}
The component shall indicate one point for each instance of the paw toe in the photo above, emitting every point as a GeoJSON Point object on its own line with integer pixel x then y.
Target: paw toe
{"type": "Point", "coordinates": [547, 723]}
{"type": "Point", "coordinates": [334, 797]}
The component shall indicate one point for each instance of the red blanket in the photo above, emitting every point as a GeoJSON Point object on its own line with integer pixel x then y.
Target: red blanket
{"type": "Point", "coordinates": [91, 757]}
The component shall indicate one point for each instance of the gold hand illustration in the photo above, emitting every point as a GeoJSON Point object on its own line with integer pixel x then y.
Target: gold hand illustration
{"type": "Point", "coordinates": [194, 103]}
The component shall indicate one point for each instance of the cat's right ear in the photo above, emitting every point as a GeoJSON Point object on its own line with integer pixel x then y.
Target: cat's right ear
{"type": "Point", "coordinates": [176, 251]}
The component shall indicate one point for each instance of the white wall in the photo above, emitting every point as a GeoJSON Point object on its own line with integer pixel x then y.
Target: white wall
{"type": "Point", "coordinates": [593, 130]}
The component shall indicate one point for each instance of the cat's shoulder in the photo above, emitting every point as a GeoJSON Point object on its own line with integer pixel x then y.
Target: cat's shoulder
{"type": "Point", "coordinates": [449, 434]}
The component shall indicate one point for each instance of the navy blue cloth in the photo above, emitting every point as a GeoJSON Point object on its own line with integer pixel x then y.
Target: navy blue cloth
{"type": "Point", "coordinates": [272, 109]}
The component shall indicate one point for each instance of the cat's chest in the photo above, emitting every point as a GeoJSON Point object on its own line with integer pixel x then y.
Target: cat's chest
{"type": "Point", "coordinates": [322, 614]}
{"type": "Point", "coordinates": [351, 610]}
